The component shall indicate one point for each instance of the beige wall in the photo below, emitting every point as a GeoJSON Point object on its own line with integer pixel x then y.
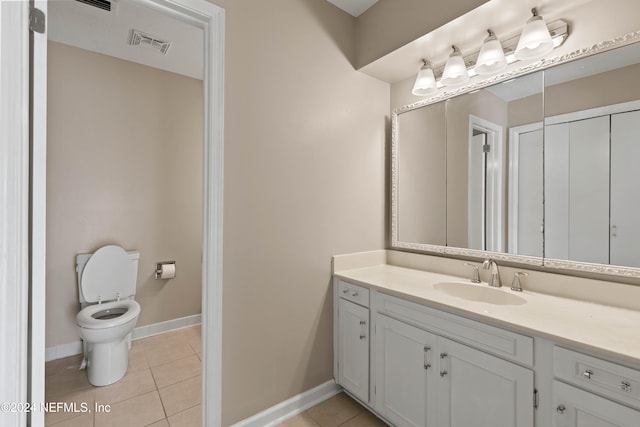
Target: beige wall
{"type": "Point", "coordinates": [422, 175]}
{"type": "Point", "coordinates": [304, 180]}
{"type": "Point", "coordinates": [612, 87]}
{"type": "Point", "coordinates": [123, 167]}
{"type": "Point", "coordinates": [391, 24]}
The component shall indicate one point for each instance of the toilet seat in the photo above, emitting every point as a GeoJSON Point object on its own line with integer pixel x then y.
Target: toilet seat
{"type": "Point", "coordinates": [85, 318]}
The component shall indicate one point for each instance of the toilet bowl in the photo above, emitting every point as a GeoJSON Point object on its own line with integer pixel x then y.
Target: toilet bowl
{"type": "Point", "coordinates": [107, 283]}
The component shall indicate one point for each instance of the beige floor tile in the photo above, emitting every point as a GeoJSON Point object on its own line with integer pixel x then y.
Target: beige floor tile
{"type": "Point", "coordinates": [183, 395]}
{"type": "Point", "coordinates": [335, 411]}
{"type": "Point", "coordinates": [59, 366]}
{"type": "Point", "coordinates": [76, 402]}
{"type": "Point", "coordinates": [159, 355]}
{"type": "Point", "coordinates": [176, 371]}
{"type": "Point", "coordinates": [84, 420]}
{"type": "Point", "coordinates": [165, 340]}
{"type": "Point", "coordinates": [162, 423]}
{"type": "Point", "coordinates": [301, 420]}
{"type": "Point", "coordinates": [192, 417]}
{"type": "Point", "coordinates": [137, 412]}
{"type": "Point", "coordinates": [192, 332]}
{"type": "Point", "coordinates": [137, 359]}
{"type": "Point", "coordinates": [133, 384]}
{"type": "Point", "coordinates": [196, 344]}
{"type": "Point", "coordinates": [366, 419]}
{"type": "Point", "coordinates": [65, 382]}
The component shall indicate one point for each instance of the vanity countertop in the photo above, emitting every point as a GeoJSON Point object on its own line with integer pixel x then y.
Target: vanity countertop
{"type": "Point", "coordinates": [607, 330]}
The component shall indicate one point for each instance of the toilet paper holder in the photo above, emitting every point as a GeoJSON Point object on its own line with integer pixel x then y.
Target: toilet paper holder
{"type": "Point", "coordinates": [166, 270]}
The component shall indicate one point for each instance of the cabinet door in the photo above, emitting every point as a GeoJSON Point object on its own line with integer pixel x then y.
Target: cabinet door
{"type": "Point", "coordinates": [480, 390]}
{"type": "Point", "coordinates": [577, 408]}
{"type": "Point", "coordinates": [405, 373]}
{"type": "Point", "coordinates": [353, 348]}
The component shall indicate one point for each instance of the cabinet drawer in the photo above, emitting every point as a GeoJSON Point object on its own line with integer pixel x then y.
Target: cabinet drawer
{"type": "Point", "coordinates": [607, 378]}
{"type": "Point", "coordinates": [353, 293]}
{"type": "Point", "coordinates": [502, 343]}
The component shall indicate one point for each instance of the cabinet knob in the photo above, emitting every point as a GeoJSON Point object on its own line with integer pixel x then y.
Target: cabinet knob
{"type": "Point", "coordinates": [443, 373]}
{"type": "Point", "coordinates": [561, 408]}
{"type": "Point", "coordinates": [625, 386]}
{"type": "Point", "coordinates": [443, 355]}
{"type": "Point", "coordinates": [588, 374]}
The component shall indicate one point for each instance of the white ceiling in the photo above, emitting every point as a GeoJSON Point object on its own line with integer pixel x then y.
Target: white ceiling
{"type": "Point", "coordinates": [90, 28]}
{"type": "Point", "coordinates": [354, 7]}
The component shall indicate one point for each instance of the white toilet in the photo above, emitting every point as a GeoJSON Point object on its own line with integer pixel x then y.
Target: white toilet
{"type": "Point", "coordinates": [107, 284]}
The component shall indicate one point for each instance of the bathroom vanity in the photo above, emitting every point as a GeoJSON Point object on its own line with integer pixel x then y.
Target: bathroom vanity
{"type": "Point", "coordinates": [421, 348]}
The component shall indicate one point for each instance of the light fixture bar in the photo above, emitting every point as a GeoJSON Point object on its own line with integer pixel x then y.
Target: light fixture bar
{"type": "Point", "coordinates": [558, 29]}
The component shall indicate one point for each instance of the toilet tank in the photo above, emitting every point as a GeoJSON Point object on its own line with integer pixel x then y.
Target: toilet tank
{"type": "Point", "coordinates": [81, 261]}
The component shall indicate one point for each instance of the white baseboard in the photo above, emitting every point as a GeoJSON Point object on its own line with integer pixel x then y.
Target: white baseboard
{"type": "Point", "coordinates": [73, 348]}
{"type": "Point", "coordinates": [162, 327]}
{"type": "Point", "coordinates": [291, 407]}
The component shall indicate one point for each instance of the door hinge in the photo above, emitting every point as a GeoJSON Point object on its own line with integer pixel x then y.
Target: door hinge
{"type": "Point", "coordinates": [535, 399]}
{"type": "Point", "coordinates": [37, 20]}
{"type": "Point", "coordinates": [486, 148]}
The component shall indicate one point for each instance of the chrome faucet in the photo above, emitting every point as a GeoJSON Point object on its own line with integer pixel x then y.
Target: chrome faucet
{"type": "Point", "coordinates": [495, 276]}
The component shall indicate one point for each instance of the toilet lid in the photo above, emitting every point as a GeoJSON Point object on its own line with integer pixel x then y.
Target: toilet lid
{"type": "Point", "coordinates": [108, 272]}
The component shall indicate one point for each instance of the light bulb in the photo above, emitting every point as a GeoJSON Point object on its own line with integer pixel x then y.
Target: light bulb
{"type": "Point", "coordinates": [455, 70]}
{"type": "Point", "coordinates": [491, 58]}
{"type": "Point", "coordinates": [535, 40]}
{"type": "Point", "coordinates": [425, 83]}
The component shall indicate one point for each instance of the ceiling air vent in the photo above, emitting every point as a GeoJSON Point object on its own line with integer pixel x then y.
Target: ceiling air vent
{"type": "Point", "coordinates": [141, 39]}
{"type": "Point", "coordinates": [100, 4]}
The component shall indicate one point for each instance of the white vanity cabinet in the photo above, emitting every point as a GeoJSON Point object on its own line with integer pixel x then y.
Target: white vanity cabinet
{"type": "Point", "coordinates": [602, 381]}
{"type": "Point", "coordinates": [353, 339]}
{"type": "Point", "coordinates": [405, 373]}
{"type": "Point", "coordinates": [424, 379]}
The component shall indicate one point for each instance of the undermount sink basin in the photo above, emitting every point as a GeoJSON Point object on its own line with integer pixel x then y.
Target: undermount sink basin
{"type": "Point", "coordinates": [479, 292]}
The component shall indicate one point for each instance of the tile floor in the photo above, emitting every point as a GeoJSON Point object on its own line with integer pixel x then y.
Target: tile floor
{"type": "Point", "coordinates": [162, 387]}
{"type": "Point", "coordinates": [340, 410]}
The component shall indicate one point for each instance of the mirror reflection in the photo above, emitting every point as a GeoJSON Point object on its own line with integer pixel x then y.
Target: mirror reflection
{"type": "Point", "coordinates": [490, 132]}
{"type": "Point", "coordinates": [592, 149]}
{"type": "Point", "coordinates": [547, 164]}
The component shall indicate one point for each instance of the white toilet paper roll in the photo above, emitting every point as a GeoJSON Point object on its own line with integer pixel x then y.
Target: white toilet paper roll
{"type": "Point", "coordinates": [167, 271]}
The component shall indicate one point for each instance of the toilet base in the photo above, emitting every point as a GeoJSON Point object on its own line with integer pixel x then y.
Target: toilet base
{"type": "Point", "coordinates": [107, 362]}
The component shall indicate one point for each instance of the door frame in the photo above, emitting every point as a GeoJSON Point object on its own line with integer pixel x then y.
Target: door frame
{"type": "Point", "coordinates": [493, 211]}
{"type": "Point", "coordinates": [14, 208]}
{"type": "Point", "coordinates": [18, 368]}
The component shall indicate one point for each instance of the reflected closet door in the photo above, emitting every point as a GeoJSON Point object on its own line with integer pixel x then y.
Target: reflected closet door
{"type": "Point", "coordinates": [625, 195]}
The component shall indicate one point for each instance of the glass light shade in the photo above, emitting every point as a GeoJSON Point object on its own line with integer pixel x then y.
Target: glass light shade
{"type": "Point", "coordinates": [425, 82]}
{"type": "Point", "coordinates": [455, 71]}
{"type": "Point", "coordinates": [491, 58]}
{"type": "Point", "coordinates": [535, 40]}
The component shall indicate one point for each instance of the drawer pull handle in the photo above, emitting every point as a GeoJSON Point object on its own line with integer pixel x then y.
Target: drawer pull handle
{"type": "Point", "coordinates": [625, 386]}
{"type": "Point", "coordinates": [355, 294]}
{"type": "Point", "coordinates": [346, 291]}
{"type": "Point", "coordinates": [588, 374]}
{"type": "Point", "coordinates": [561, 408]}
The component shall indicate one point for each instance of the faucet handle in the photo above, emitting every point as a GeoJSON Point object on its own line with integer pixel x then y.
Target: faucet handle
{"type": "Point", "coordinates": [515, 284]}
{"type": "Point", "coordinates": [475, 276]}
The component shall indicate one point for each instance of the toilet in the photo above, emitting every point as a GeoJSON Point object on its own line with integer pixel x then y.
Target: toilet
{"type": "Point", "coordinates": [107, 285]}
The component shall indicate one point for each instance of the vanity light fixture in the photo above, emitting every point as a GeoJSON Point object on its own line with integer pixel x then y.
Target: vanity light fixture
{"type": "Point", "coordinates": [535, 40]}
{"type": "Point", "coordinates": [491, 58]}
{"type": "Point", "coordinates": [425, 81]}
{"type": "Point", "coordinates": [455, 70]}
